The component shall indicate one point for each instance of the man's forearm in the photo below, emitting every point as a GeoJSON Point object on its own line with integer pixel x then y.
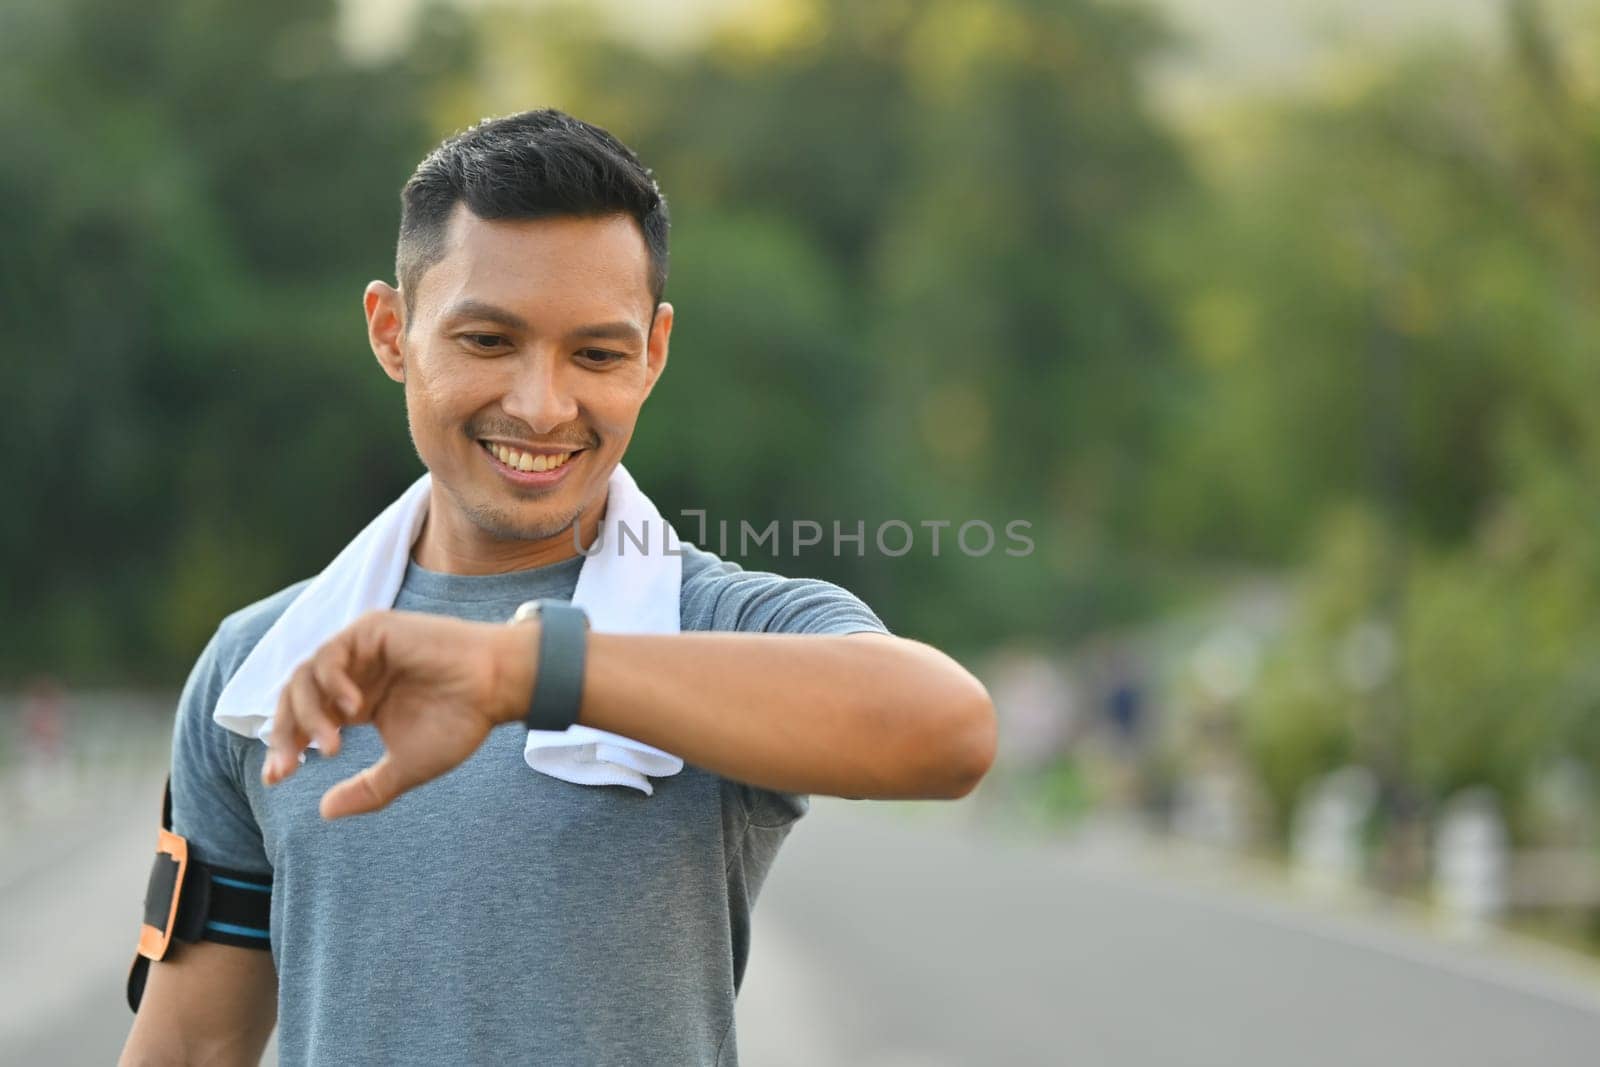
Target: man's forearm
{"type": "Point", "coordinates": [858, 715]}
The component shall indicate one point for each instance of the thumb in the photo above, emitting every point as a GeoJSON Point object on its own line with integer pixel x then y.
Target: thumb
{"type": "Point", "coordinates": [365, 791]}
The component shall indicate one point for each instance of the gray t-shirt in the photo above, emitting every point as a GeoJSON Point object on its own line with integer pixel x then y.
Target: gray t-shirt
{"type": "Point", "coordinates": [499, 915]}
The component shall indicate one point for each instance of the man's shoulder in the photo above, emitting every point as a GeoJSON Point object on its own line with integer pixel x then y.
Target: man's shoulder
{"type": "Point", "coordinates": [719, 594]}
{"type": "Point", "coordinates": [197, 737]}
{"type": "Point", "coordinates": [240, 631]}
{"type": "Point", "coordinates": [707, 577]}
{"type": "Point", "coordinates": [701, 566]}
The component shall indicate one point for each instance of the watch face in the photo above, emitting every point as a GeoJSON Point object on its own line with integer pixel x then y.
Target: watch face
{"type": "Point", "coordinates": [531, 610]}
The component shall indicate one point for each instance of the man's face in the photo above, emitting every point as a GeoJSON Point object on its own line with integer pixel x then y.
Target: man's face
{"type": "Point", "coordinates": [529, 350]}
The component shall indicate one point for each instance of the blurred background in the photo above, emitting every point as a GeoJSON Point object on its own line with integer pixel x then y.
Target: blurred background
{"type": "Point", "coordinates": [1277, 323]}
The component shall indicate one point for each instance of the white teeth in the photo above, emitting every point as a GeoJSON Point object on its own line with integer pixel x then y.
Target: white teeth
{"type": "Point", "coordinates": [527, 461]}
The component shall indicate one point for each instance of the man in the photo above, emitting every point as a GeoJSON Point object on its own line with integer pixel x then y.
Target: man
{"type": "Point", "coordinates": [492, 914]}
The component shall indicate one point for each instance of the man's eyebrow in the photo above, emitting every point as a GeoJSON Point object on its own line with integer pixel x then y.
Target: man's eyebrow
{"type": "Point", "coordinates": [610, 331]}
{"type": "Point", "coordinates": [477, 309]}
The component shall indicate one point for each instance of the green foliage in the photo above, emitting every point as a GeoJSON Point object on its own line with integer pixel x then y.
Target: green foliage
{"type": "Point", "coordinates": [197, 193]}
{"type": "Point", "coordinates": [1392, 305]}
{"type": "Point", "coordinates": [900, 266]}
{"type": "Point", "coordinates": [906, 287]}
{"type": "Point", "coordinates": [935, 261]}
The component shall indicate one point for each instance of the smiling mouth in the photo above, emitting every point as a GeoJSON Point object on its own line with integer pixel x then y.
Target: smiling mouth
{"type": "Point", "coordinates": [528, 462]}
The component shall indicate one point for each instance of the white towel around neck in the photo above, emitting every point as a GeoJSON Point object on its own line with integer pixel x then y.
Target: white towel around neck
{"type": "Point", "coordinates": [622, 588]}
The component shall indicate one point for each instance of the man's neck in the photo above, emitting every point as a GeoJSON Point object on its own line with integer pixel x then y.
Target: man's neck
{"type": "Point", "coordinates": [458, 546]}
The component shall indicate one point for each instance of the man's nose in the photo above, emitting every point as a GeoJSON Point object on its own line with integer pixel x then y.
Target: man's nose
{"type": "Point", "coordinates": [540, 395]}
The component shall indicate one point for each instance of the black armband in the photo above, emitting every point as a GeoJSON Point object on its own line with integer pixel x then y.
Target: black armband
{"type": "Point", "coordinates": [187, 900]}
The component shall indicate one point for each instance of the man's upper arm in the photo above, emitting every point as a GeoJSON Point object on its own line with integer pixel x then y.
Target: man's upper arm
{"type": "Point", "coordinates": [208, 1002]}
{"type": "Point", "coordinates": [763, 602]}
{"type": "Point", "coordinates": [210, 808]}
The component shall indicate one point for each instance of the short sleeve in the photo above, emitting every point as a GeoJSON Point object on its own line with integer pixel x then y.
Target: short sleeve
{"type": "Point", "coordinates": [731, 598]}
{"type": "Point", "coordinates": [761, 602]}
{"type": "Point", "coordinates": [209, 805]}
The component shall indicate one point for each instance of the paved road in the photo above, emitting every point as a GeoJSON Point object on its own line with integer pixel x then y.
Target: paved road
{"type": "Point", "coordinates": [914, 944]}
{"type": "Point", "coordinates": [890, 936]}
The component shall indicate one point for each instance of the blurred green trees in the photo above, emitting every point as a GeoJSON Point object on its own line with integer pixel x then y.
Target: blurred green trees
{"type": "Point", "coordinates": [1400, 388]}
{"type": "Point", "coordinates": [192, 196]}
{"type": "Point", "coordinates": [937, 261]}
{"type": "Point", "coordinates": [899, 259]}
{"type": "Point", "coordinates": [910, 281]}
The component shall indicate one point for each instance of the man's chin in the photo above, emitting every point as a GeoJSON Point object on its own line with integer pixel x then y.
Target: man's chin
{"type": "Point", "coordinates": [541, 530]}
{"type": "Point", "coordinates": [505, 524]}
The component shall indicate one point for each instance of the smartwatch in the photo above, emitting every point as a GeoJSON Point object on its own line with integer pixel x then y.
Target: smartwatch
{"type": "Point", "coordinates": [558, 678]}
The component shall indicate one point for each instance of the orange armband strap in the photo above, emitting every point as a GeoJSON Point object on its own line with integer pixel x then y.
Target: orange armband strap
{"type": "Point", "coordinates": [163, 896]}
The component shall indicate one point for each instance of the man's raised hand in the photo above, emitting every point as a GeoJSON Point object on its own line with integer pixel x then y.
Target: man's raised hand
{"type": "Point", "coordinates": [433, 686]}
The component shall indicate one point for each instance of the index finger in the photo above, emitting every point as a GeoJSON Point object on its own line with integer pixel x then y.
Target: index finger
{"type": "Point", "coordinates": [330, 668]}
{"type": "Point", "coordinates": [288, 738]}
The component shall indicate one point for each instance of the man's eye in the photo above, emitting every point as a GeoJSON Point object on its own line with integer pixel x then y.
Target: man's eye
{"type": "Point", "coordinates": [483, 340]}
{"type": "Point", "coordinates": [602, 355]}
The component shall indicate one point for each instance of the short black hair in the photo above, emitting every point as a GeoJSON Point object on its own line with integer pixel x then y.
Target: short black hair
{"type": "Point", "coordinates": [531, 165]}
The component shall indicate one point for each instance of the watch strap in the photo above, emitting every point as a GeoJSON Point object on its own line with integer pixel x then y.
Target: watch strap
{"type": "Point", "coordinates": [558, 678]}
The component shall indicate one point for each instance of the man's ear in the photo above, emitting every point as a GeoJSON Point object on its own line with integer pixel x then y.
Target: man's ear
{"type": "Point", "coordinates": [386, 325]}
{"type": "Point", "coordinates": [656, 347]}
